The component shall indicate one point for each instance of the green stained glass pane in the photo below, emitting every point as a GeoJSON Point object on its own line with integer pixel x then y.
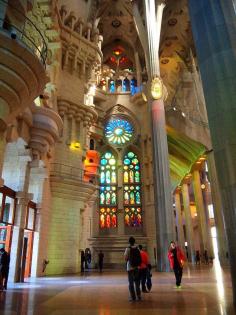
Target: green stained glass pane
{"type": "Point", "coordinates": [108, 167]}
{"type": "Point", "coordinates": [130, 155]}
{"type": "Point", "coordinates": [135, 161]}
{"type": "Point", "coordinates": [137, 177]}
{"type": "Point", "coordinates": [108, 198]}
{"type": "Point", "coordinates": [113, 198]}
{"type": "Point", "coordinates": [131, 166]}
{"type": "Point", "coordinates": [132, 201]}
{"type": "Point", "coordinates": [102, 198]}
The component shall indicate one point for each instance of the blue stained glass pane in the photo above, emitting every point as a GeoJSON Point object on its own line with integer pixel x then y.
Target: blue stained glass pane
{"type": "Point", "coordinates": [103, 162]}
{"type": "Point", "coordinates": [118, 131]}
{"type": "Point", "coordinates": [136, 167]}
{"type": "Point", "coordinates": [102, 177]}
{"type": "Point", "coordinates": [126, 161]}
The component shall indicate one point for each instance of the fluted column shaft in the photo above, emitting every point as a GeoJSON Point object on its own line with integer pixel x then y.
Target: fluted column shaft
{"type": "Point", "coordinates": [179, 220]}
{"type": "Point", "coordinates": [188, 223]}
{"type": "Point", "coordinates": [162, 185]}
{"type": "Point", "coordinates": [217, 206]}
{"type": "Point", "coordinates": [204, 227]}
{"type": "Point", "coordinates": [214, 31]}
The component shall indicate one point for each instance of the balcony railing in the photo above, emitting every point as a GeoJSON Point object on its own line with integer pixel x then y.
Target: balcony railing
{"type": "Point", "coordinates": [23, 29]}
{"type": "Point", "coordinates": [70, 172]}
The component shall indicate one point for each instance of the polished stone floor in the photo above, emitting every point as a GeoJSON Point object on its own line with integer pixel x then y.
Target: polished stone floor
{"type": "Point", "coordinates": [206, 291]}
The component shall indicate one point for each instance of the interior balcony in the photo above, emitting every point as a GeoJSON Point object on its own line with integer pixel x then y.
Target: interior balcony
{"type": "Point", "coordinates": [45, 131]}
{"type": "Point", "coordinates": [23, 55]}
{"type": "Point", "coordinates": [69, 182]}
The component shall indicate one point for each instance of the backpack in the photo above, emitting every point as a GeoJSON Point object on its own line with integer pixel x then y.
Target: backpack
{"type": "Point", "coordinates": [135, 259]}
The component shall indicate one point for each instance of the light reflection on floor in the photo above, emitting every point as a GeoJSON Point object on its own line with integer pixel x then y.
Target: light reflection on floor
{"type": "Point", "coordinates": [107, 294]}
{"type": "Point", "coordinates": [218, 271]}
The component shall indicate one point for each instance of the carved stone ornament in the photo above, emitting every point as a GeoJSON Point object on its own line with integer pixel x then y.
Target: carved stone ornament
{"type": "Point", "coordinates": [157, 88]}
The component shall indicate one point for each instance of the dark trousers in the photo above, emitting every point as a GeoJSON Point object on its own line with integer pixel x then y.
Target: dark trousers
{"type": "Point", "coordinates": [143, 278]}
{"type": "Point", "coordinates": [100, 265]}
{"type": "Point", "coordinates": [134, 284]}
{"type": "Point", "coordinates": [178, 275]}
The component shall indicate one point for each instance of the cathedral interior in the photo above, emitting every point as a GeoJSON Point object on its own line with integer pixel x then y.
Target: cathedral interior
{"type": "Point", "coordinates": [126, 129]}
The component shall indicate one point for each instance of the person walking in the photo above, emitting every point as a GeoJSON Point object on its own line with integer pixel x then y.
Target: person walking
{"type": "Point", "coordinates": [100, 260]}
{"type": "Point", "coordinates": [133, 261]}
{"type": "Point", "coordinates": [197, 258]}
{"type": "Point", "coordinates": [82, 261]}
{"type": "Point", "coordinates": [176, 258]}
{"type": "Point", "coordinates": [4, 268]}
{"type": "Point", "coordinates": [143, 268]}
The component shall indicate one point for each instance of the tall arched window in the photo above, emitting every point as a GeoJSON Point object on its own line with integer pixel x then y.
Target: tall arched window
{"type": "Point", "coordinates": [132, 190]}
{"type": "Point", "coordinates": [108, 191]}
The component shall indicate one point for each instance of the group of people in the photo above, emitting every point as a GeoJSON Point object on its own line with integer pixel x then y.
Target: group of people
{"type": "Point", "coordinates": [205, 259]}
{"type": "Point", "coordinates": [4, 268]}
{"type": "Point", "coordinates": [139, 268]}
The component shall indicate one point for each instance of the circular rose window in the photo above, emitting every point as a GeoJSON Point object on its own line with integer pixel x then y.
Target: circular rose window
{"type": "Point", "coordinates": [118, 131]}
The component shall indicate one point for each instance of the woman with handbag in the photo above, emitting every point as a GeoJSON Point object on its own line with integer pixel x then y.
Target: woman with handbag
{"type": "Point", "coordinates": [176, 259]}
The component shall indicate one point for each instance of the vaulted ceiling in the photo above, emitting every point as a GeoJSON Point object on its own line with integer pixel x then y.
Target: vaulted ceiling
{"type": "Point", "coordinates": [115, 22]}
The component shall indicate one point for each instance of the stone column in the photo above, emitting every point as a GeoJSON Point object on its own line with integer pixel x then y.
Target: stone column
{"type": "Point", "coordinates": [218, 209]}
{"type": "Point", "coordinates": [188, 223]}
{"type": "Point", "coordinates": [18, 231]}
{"type": "Point", "coordinates": [39, 186]}
{"type": "Point", "coordinates": [214, 30]}
{"type": "Point", "coordinates": [181, 240]}
{"type": "Point", "coordinates": [204, 225]}
{"type": "Point", "coordinates": [150, 38]}
{"type": "Point", "coordinates": [138, 68]}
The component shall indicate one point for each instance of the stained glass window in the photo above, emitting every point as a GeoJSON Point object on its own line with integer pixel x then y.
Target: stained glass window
{"type": "Point", "coordinates": [118, 131]}
{"type": "Point", "coordinates": [132, 190]}
{"type": "Point", "coordinates": [108, 191]}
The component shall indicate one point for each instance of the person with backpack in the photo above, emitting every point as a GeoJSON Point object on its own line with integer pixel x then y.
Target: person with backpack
{"type": "Point", "coordinates": [133, 259]}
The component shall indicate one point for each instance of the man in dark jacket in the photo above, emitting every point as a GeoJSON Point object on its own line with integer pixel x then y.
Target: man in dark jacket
{"type": "Point", "coordinates": [4, 268]}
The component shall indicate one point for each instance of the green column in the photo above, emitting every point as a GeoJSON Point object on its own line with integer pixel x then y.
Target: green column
{"type": "Point", "coordinates": [214, 31]}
